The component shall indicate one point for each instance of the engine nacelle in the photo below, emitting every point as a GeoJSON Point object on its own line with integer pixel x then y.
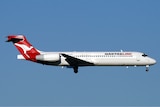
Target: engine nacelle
{"type": "Point", "coordinates": [48, 57]}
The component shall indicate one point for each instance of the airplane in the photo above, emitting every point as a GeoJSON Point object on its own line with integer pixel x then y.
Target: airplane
{"type": "Point", "coordinates": [78, 59]}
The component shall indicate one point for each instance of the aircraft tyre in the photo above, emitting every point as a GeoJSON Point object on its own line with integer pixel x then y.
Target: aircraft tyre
{"type": "Point", "coordinates": [75, 69]}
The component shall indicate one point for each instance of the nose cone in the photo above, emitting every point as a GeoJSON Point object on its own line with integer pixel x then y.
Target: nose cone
{"type": "Point", "coordinates": [152, 61]}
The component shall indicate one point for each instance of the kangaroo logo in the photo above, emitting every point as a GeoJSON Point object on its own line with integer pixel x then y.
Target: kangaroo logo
{"type": "Point", "coordinates": [24, 48]}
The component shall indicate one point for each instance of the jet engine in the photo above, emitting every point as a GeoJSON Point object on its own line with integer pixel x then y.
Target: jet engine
{"type": "Point", "coordinates": [48, 57]}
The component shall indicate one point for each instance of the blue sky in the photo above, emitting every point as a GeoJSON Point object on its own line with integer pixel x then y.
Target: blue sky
{"type": "Point", "coordinates": [80, 25]}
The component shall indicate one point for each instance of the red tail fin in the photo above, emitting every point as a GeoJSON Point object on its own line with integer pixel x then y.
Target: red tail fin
{"type": "Point", "coordinates": [24, 47]}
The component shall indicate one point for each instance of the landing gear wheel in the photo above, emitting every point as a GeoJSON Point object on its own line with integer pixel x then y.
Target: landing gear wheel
{"type": "Point", "coordinates": [147, 68]}
{"type": "Point", "coordinates": [75, 69]}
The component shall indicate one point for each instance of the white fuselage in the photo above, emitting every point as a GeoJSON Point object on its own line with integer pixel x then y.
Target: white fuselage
{"type": "Point", "coordinates": [101, 58]}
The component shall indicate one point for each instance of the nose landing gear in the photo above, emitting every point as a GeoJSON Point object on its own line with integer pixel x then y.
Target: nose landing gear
{"type": "Point", "coordinates": [147, 68]}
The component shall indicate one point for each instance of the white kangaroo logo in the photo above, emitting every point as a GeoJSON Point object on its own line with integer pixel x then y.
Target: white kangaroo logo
{"type": "Point", "coordinates": [24, 48]}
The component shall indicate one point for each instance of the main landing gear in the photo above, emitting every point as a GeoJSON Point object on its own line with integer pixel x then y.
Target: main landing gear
{"type": "Point", "coordinates": [75, 69]}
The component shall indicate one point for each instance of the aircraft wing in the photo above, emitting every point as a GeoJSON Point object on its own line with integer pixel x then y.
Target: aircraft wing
{"type": "Point", "coordinates": [75, 61]}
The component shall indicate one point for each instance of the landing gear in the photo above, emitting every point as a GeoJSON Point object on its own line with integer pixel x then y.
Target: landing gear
{"type": "Point", "coordinates": [75, 69]}
{"type": "Point", "coordinates": [147, 68]}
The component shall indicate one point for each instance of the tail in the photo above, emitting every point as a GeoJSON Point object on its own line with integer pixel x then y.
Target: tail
{"type": "Point", "coordinates": [24, 47]}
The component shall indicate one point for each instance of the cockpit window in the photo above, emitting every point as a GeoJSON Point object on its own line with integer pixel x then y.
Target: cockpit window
{"type": "Point", "coordinates": [144, 55]}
